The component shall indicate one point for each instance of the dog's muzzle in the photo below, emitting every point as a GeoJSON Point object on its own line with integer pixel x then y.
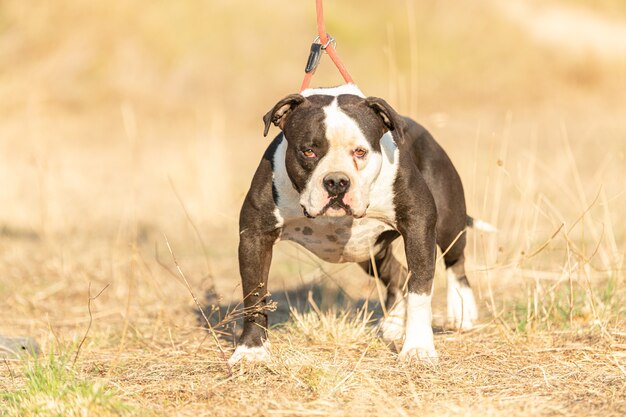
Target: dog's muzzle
{"type": "Point", "coordinates": [336, 183]}
{"type": "Point", "coordinates": [336, 186]}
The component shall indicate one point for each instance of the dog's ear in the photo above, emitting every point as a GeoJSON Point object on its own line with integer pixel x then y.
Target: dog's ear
{"type": "Point", "coordinates": [391, 119]}
{"type": "Point", "coordinates": [280, 110]}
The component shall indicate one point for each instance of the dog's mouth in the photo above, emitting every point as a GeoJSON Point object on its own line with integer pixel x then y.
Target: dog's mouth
{"type": "Point", "coordinates": [334, 208]}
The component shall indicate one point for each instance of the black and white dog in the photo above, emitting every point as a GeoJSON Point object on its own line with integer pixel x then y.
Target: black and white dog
{"type": "Point", "coordinates": [347, 176]}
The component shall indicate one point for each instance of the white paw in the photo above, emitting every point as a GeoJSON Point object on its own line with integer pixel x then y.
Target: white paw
{"type": "Point", "coordinates": [419, 355]}
{"type": "Point", "coordinates": [419, 343]}
{"type": "Point", "coordinates": [250, 354]}
{"type": "Point", "coordinates": [462, 310]}
{"type": "Point", "coordinates": [392, 327]}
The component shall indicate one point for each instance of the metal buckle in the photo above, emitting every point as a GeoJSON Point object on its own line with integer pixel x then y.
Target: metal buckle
{"type": "Point", "coordinates": [330, 40]}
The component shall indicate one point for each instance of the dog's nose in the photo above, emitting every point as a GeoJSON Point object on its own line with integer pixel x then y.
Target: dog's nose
{"type": "Point", "coordinates": [336, 183]}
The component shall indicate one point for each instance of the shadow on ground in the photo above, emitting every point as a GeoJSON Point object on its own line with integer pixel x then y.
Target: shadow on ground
{"type": "Point", "coordinates": [226, 319]}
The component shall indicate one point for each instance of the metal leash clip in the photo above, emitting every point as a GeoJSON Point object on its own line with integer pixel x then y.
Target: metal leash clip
{"type": "Point", "coordinates": [316, 52]}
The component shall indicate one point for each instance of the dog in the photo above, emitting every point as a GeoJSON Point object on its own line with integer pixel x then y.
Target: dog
{"type": "Point", "coordinates": [346, 177]}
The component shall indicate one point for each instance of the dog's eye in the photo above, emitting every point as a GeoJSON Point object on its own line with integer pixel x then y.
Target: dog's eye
{"type": "Point", "coordinates": [360, 153]}
{"type": "Point", "coordinates": [309, 153]}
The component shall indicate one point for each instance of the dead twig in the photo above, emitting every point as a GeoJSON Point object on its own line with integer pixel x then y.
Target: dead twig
{"type": "Point", "coordinates": [6, 362]}
{"type": "Point", "coordinates": [90, 299]}
{"type": "Point", "coordinates": [545, 244]}
{"type": "Point", "coordinates": [195, 299]}
{"type": "Point", "coordinates": [198, 235]}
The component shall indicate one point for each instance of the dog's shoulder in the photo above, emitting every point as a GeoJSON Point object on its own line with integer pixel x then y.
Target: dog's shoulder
{"type": "Point", "coordinates": [262, 194]}
{"type": "Point", "coordinates": [421, 143]}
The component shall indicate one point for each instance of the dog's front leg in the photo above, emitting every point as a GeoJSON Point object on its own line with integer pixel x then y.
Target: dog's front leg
{"type": "Point", "coordinates": [418, 231]}
{"type": "Point", "coordinates": [255, 257]}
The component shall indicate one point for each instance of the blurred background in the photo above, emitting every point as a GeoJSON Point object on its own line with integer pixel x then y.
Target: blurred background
{"type": "Point", "coordinates": [122, 122]}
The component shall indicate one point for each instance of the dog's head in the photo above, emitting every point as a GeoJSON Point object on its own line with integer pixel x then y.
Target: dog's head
{"type": "Point", "coordinates": [333, 148]}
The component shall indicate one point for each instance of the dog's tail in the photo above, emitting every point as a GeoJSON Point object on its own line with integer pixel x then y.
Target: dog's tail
{"type": "Point", "coordinates": [481, 225]}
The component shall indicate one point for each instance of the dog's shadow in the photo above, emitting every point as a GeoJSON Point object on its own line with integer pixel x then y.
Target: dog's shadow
{"type": "Point", "coordinates": [226, 319]}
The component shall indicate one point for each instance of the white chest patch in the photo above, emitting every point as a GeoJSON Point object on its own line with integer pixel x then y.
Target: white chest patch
{"type": "Point", "coordinates": [337, 239]}
{"type": "Point", "coordinates": [343, 238]}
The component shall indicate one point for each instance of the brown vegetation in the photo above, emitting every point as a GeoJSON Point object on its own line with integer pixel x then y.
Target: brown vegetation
{"type": "Point", "coordinates": [125, 122]}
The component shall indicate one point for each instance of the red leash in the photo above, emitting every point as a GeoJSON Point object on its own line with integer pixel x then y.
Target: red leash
{"type": "Point", "coordinates": [323, 43]}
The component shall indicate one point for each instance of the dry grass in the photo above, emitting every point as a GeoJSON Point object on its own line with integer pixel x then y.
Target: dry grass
{"type": "Point", "coordinates": [124, 122]}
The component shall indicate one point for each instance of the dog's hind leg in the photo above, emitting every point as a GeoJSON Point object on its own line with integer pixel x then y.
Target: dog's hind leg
{"type": "Point", "coordinates": [462, 311]}
{"type": "Point", "coordinates": [392, 273]}
{"type": "Point", "coordinates": [451, 238]}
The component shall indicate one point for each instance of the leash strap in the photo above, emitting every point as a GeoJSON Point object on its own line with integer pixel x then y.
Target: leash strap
{"type": "Point", "coordinates": [323, 43]}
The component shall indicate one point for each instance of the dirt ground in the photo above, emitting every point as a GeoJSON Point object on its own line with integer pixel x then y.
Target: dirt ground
{"type": "Point", "coordinates": [129, 133]}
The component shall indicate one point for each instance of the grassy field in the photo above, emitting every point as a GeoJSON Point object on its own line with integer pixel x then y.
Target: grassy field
{"type": "Point", "coordinates": [129, 132]}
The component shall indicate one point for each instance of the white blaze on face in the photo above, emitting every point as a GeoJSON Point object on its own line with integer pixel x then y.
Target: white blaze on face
{"type": "Point", "coordinates": [344, 137]}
